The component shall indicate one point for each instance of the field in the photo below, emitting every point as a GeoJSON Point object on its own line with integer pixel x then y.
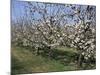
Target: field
{"type": "Point", "coordinates": [24, 61]}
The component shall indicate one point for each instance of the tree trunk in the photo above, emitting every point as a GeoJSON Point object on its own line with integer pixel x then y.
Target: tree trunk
{"type": "Point", "coordinates": [80, 60]}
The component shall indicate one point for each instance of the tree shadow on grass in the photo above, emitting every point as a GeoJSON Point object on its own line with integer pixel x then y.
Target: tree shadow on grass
{"type": "Point", "coordinates": [68, 57]}
{"type": "Point", "coordinates": [65, 57]}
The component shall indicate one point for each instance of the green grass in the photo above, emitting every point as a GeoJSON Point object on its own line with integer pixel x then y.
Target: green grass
{"type": "Point", "coordinates": [23, 61]}
{"type": "Point", "coordinates": [73, 50]}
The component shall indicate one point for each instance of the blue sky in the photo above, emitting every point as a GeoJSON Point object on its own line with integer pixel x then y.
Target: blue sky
{"type": "Point", "coordinates": [18, 10]}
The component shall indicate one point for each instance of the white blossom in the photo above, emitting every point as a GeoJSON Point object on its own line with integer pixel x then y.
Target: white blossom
{"type": "Point", "coordinates": [44, 32]}
{"type": "Point", "coordinates": [80, 43]}
{"type": "Point", "coordinates": [58, 35]}
{"type": "Point", "coordinates": [92, 46]}
{"type": "Point", "coordinates": [83, 53]}
{"type": "Point", "coordinates": [77, 39]}
{"type": "Point", "coordinates": [61, 38]}
{"type": "Point", "coordinates": [86, 57]}
{"type": "Point", "coordinates": [63, 34]}
{"type": "Point", "coordinates": [93, 30]}
{"type": "Point", "coordinates": [36, 32]}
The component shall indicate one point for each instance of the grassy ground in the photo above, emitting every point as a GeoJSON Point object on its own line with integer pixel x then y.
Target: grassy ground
{"type": "Point", "coordinates": [23, 61]}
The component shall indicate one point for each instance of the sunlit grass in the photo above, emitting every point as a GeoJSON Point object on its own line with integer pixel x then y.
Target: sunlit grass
{"type": "Point", "coordinates": [23, 61]}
